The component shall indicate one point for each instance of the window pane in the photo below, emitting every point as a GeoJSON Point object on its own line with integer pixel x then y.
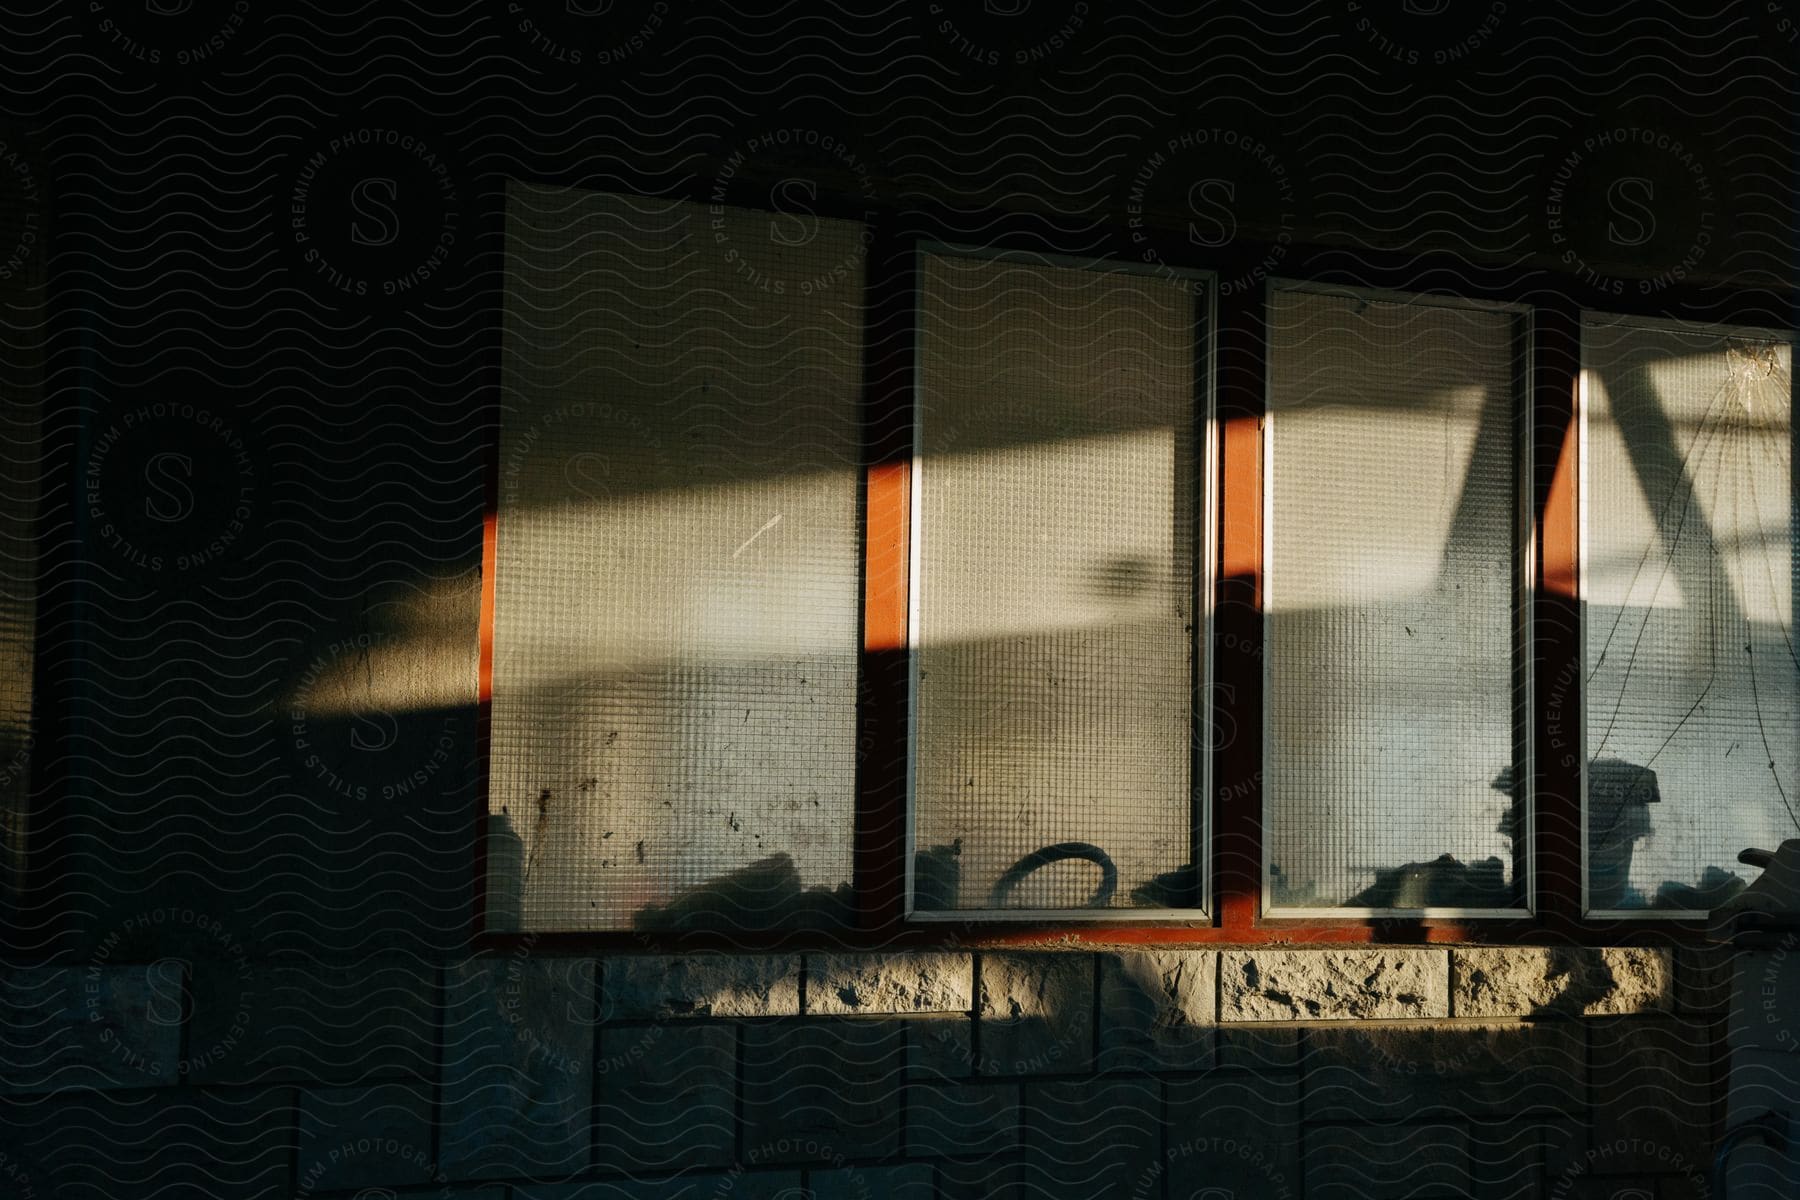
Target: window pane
{"type": "Point", "coordinates": [676, 588]}
{"type": "Point", "coordinates": [1392, 593]}
{"type": "Point", "coordinates": [21, 462]}
{"type": "Point", "coordinates": [1691, 699]}
{"type": "Point", "coordinates": [1056, 588]}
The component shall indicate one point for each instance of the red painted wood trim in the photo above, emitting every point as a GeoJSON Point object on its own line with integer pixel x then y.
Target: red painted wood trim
{"type": "Point", "coordinates": [1237, 692]}
{"type": "Point", "coordinates": [1556, 615]}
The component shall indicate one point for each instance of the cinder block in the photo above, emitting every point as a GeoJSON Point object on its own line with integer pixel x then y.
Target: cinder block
{"type": "Point", "coordinates": [822, 1087]}
{"type": "Point", "coordinates": [1036, 1013]}
{"type": "Point", "coordinates": [1382, 1072]}
{"type": "Point", "coordinates": [1259, 1047]}
{"type": "Point", "coordinates": [1539, 981]}
{"type": "Point", "coordinates": [1355, 1162]}
{"type": "Point", "coordinates": [153, 1142]}
{"type": "Point", "coordinates": [1507, 1159]}
{"type": "Point", "coordinates": [1651, 1084]}
{"type": "Point", "coordinates": [1703, 977]}
{"type": "Point", "coordinates": [99, 1027]}
{"type": "Point", "coordinates": [1158, 1009]}
{"type": "Point", "coordinates": [667, 1096]}
{"type": "Point", "coordinates": [1765, 1001]}
{"type": "Point", "coordinates": [966, 1119]}
{"type": "Point", "coordinates": [700, 985]}
{"type": "Point", "coordinates": [991, 1177]}
{"type": "Point", "coordinates": [732, 1185]}
{"type": "Point", "coordinates": [849, 984]}
{"type": "Point", "coordinates": [1761, 1081]}
{"type": "Point", "coordinates": [518, 1069]}
{"type": "Point", "coordinates": [1092, 1138]}
{"type": "Point", "coordinates": [365, 1137]}
{"type": "Point", "coordinates": [1334, 985]}
{"type": "Point", "coordinates": [910, 1181]}
{"type": "Point", "coordinates": [324, 1022]}
{"type": "Point", "coordinates": [1238, 1131]}
{"type": "Point", "coordinates": [940, 1047]}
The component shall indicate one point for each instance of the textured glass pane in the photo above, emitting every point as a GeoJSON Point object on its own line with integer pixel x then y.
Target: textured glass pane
{"type": "Point", "coordinates": [21, 465]}
{"type": "Point", "coordinates": [1392, 599]}
{"type": "Point", "coordinates": [1691, 698]}
{"type": "Point", "coordinates": [676, 604]}
{"type": "Point", "coordinates": [1056, 588]}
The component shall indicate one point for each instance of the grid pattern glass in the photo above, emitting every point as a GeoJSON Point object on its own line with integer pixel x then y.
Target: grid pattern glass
{"type": "Point", "coordinates": [1056, 590]}
{"type": "Point", "coordinates": [675, 624]}
{"type": "Point", "coordinates": [1392, 750]}
{"type": "Point", "coordinates": [20, 468]}
{"type": "Point", "coordinates": [1691, 713]}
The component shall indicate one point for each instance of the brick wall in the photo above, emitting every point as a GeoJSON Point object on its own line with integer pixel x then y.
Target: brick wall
{"type": "Point", "coordinates": [1317, 1073]}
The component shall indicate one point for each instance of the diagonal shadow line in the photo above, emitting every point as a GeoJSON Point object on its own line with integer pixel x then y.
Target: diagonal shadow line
{"type": "Point", "coordinates": [1653, 453]}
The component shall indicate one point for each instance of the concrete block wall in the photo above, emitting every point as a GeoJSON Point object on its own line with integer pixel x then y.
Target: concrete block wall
{"type": "Point", "coordinates": [1132, 1073]}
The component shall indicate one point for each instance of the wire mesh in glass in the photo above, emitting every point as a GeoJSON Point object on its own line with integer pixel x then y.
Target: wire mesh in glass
{"type": "Point", "coordinates": [1690, 696]}
{"type": "Point", "coordinates": [675, 620]}
{"type": "Point", "coordinates": [1393, 753]}
{"type": "Point", "coordinates": [1056, 593]}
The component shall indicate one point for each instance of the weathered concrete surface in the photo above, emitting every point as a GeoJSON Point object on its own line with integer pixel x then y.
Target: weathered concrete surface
{"type": "Point", "coordinates": [365, 1137]}
{"type": "Point", "coordinates": [840, 984]}
{"type": "Point", "coordinates": [822, 1087]}
{"type": "Point", "coordinates": [518, 1067]}
{"type": "Point", "coordinates": [146, 1142]}
{"type": "Point", "coordinates": [1522, 981]}
{"type": "Point", "coordinates": [1258, 1047]}
{"type": "Point", "coordinates": [1096, 1139]}
{"type": "Point", "coordinates": [1651, 1089]}
{"type": "Point", "coordinates": [730, 1185]}
{"type": "Point", "coordinates": [1333, 985]}
{"type": "Point", "coordinates": [1393, 1072]}
{"type": "Point", "coordinates": [1158, 1009]}
{"type": "Point", "coordinates": [666, 1096]}
{"type": "Point", "coordinates": [700, 985]}
{"type": "Point", "coordinates": [1765, 1002]}
{"type": "Point", "coordinates": [1349, 1162]}
{"type": "Point", "coordinates": [911, 1181]}
{"type": "Point", "coordinates": [339, 1023]}
{"type": "Point", "coordinates": [962, 1119]}
{"type": "Point", "coordinates": [90, 1027]}
{"type": "Point", "coordinates": [1036, 1013]}
{"type": "Point", "coordinates": [1703, 976]}
{"type": "Point", "coordinates": [940, 1047]}
{"type": "Point", "coordinates": [1236, 1131]}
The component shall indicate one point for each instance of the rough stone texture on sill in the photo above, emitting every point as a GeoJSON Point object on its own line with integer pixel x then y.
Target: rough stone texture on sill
{"type": "Point", "coordinates": [641, 987]}
{"type": "Point", "coordinates": [1036, 1013]}
{"type": "Point", "coordinates": [1157, 1008]}
{"type": "Point", "coordinates": [845, 984]}
{"type": "Point", "coordinates": [1523, 981]}
{"type": "Point", "coordinates": [1334, 985]}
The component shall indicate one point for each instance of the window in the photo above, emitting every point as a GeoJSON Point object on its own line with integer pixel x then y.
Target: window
{"type": "Point", "coordinates": [1395, 754]}
{"type": "Point", "coordinates": [676, 566]}
{"type": "Point", "coordinates": [705, 549]}
{"type": "Point", "coordinates": [1691, 706]}
{"type": "Point", "coordinates": [1058, 622]}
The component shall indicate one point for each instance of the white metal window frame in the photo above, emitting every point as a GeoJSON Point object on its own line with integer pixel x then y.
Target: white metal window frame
{"type": "Point", "coordinates": [1599, 319]}
{"type": "Point", "coordinates": [1523, 651]}
{"type": "Point", "coordinates": [1205, 546]}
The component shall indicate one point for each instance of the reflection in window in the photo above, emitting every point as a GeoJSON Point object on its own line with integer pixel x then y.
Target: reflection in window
{"type": "Point", "coordinates": [1393, 587]}
{"type": "Point", "coordinates": [675, 624]}
{"type": "Point", "coordinates": [1691, 713]}
{"type": "Point", "coordinates": [1056, 589]}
